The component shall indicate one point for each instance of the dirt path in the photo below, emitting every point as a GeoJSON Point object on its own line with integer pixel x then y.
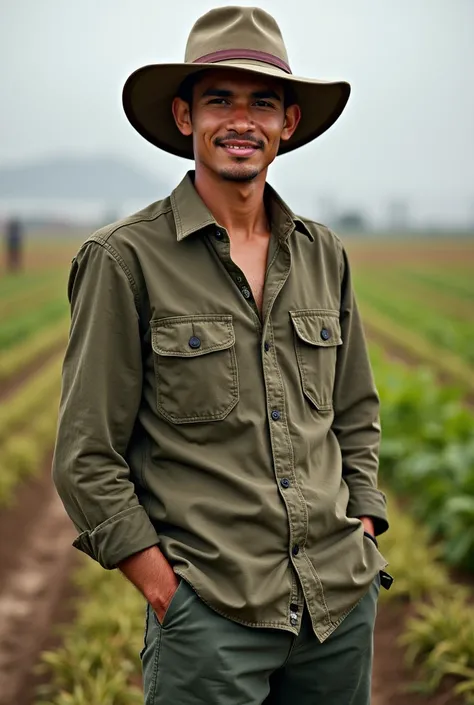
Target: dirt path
{"type": "Point", "coordinates": [35, 562]}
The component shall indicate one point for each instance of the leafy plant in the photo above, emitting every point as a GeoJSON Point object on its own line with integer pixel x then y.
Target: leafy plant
{"type": "Point", "coordinates": [98, 661]}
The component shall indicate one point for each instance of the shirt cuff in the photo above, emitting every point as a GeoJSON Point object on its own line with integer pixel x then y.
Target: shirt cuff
{"type": "Point", "coordinates": [370, 503]}
{"type": "Point", "coordinates": [118, 537]}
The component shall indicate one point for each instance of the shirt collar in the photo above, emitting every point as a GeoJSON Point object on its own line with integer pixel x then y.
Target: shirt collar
{"type": "Point", "coordinates": [191, 214]}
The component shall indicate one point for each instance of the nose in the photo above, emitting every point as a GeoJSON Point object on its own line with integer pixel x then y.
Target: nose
{"type": "Point", "coordinates": [240, 120]}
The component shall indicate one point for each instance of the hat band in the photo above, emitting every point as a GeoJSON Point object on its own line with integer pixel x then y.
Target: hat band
{"type": "Point", "coordinates": [226, 54]}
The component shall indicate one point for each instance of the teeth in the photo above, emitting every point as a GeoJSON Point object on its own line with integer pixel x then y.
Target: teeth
{"type": "Point", "coordinates": [231, 146]}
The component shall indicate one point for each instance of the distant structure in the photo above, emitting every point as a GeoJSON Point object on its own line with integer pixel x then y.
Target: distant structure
{"type": "Point", "coordinates": [14, 245]}
{"type": "Point", "coordinates": [352, 221]}
{"type": "Point", "coordinates": [398, 215]}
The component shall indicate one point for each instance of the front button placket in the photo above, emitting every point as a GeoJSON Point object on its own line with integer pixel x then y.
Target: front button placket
{"type": "Point", "coordinates": [282, 450]}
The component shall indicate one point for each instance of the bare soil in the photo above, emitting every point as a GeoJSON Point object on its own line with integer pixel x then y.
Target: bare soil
{"type": "Point", "coordinates": [444, 252]}
{"type": "Point", "coordinates": [36, 559]}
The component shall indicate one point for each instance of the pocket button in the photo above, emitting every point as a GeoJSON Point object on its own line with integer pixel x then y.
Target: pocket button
{"type": "Point", "coordinates": [325, 334]}
{"type": "Point", "coordinates": [194, 342]}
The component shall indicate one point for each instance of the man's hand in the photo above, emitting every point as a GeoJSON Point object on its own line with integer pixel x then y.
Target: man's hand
{"type": "Point", "coordinates": [368, 525]}
{"type": "Point", "coordinates": [151, 573]}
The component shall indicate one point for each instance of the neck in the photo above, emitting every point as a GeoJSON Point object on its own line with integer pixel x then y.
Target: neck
{"type": "Point", "coordinates": [238, 207]}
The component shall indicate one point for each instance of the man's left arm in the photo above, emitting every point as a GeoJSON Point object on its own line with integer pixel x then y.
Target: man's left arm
{"type": "Point", "coordinates": [356, 414]}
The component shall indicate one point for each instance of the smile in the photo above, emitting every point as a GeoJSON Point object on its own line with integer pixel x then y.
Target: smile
{"type": "Point", "coordinates": [242, 150]}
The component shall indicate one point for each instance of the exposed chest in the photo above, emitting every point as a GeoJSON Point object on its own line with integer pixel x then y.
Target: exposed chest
{"type": "Point", "coordinates": [251, 258]}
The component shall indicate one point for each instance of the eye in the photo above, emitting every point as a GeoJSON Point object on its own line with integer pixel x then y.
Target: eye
{"type": "Point", "coordinates": [263, 104]}
{"type": "Point", "coordinates": [218, 101]}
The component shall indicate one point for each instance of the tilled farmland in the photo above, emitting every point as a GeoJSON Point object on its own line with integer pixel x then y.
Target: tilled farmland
{"type": "Point", "coordinates": [417, 300]}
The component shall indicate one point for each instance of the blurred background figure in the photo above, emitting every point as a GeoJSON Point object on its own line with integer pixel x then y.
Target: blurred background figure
{"type": "Point", "coordinates": [14, 238]}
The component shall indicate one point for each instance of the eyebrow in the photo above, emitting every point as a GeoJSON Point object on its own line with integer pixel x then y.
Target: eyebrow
{"type": "Point", "coordinates": [223, 93]}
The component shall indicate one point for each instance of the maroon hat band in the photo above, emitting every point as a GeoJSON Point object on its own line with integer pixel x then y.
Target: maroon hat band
{"type": "Point", "coordinates": [226, 54]}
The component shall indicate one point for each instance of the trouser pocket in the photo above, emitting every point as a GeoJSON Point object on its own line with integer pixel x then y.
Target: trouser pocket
{"type": "Point", "coordinates": [202, 657]}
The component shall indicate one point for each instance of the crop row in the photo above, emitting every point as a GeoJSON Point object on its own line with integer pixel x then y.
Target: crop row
{"type": "Point", "coordinates": [455, 282]}
{"type": "Point", "coordinates": [434, 299]}
{"type": "Point", "coordinates": [27, 428]}
{"type": "Point", "coordinates": [21, 455]}
{"type": "Point", "coordinates": [12, 285]}
{"type": "Point", "coordinates": [20, 328]}
{"type": "Point", "coordinates": [399, 337]}
{"type": "Point", "coordinates": [30, 299]}
{"type": "Point", "coordinates": [17, 358]}
{"type": "Point", "coordinates": [446, 332]}
{"type": "Point", "coordinates": [28, 401]}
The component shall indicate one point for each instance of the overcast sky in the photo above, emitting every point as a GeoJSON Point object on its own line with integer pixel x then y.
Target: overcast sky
{"type": "Point", "coordinates": [408, 131]}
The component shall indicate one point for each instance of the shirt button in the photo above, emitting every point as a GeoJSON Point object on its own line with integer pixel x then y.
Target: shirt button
{"type": "Point", "coordinates": [219, 235]}
{"type": "Point", "coordinates": [325, 334]}
{"type": "Point", "coordinates": [238, 279]}
{"type": "Point", "coordinates": [293, 619]}
{"type": "Point", "coordinates": [275, 415]}
{"type": "Point", "coordinates": [266, 346]}
{"type": "Point", "coordinates": [285, 483]}
{"type": "Point", "coordinates": [295, 550]}
{"type": "Point", "coordinates": [246, 293]}
{"type": "Point", "coordinates": [194, 342]}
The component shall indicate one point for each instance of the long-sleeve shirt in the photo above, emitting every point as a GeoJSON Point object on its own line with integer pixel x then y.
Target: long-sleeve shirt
{"type": "Point", "coordinates": [243, 444]}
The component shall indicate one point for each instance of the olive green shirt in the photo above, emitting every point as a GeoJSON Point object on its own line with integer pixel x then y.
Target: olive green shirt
{"type": "Point", "coordinates": [245, 446]}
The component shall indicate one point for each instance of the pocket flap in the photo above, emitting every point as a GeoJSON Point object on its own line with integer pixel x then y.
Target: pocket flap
{"type": "Point", "coordinates": [317, 327]}
{"type": "Point", "coordinates": [189, 336]}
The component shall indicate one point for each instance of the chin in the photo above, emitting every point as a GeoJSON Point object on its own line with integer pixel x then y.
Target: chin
{"type": "Point", "coordinates": [239, 173]}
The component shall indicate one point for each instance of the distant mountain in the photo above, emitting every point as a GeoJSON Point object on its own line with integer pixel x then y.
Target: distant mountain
{"type": "Point", "coordinates": [90, 178]}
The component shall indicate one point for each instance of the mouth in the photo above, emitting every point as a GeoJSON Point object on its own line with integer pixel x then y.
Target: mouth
{"type": "Point", "coordinates": [239, 148]}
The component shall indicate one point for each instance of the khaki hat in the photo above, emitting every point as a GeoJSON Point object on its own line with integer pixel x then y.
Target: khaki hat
{"type": "Point", "coordinates": [243, 38]}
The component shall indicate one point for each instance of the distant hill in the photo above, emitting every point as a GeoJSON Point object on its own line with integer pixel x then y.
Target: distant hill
{"type": "Point", "coordinates": [90, 178]}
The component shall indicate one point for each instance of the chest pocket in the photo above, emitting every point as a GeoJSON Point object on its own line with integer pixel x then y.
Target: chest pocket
{"type": "Point", "coordinates": [195, 367]}
{"type": "Point", "coordinates": [317, 335]}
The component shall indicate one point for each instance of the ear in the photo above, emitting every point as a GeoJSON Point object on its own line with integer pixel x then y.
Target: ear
{"type": "Point", "coordinates": [182, 116]}
{"type": "Point", "coordinates": [292, 119]}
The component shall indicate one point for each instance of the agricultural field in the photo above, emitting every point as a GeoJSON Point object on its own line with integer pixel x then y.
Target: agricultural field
{"type": "Point", "coordinates": [417, 301]}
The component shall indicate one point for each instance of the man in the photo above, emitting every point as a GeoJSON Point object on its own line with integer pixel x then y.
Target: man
{"type": "Point", "coordinates": [218, 430]}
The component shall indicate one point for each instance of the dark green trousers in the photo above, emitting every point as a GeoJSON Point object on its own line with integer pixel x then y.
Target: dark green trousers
{"type": "Point", "coordinates": [197, 657]}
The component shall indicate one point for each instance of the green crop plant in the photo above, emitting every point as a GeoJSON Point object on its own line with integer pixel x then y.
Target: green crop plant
{"type": "Point", "coordinates": [427, 454]}
{"type": "Point", "coordinates": [98, 660]}
{"type": "Point", "coordinates": [440, 640]}
{"type": "Point", "coordinates": [419, 572]}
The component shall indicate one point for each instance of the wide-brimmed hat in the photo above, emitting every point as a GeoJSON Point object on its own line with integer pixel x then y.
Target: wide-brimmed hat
{"type": "Point", "coordinates": [243, 38]}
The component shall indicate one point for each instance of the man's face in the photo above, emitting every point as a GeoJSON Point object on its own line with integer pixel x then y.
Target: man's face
{"type": "Point", "coordinates": [237, 122]}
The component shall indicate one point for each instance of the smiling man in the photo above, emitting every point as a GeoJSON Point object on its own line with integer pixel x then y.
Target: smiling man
{"type": "Point", "coordinates": [218, 432]}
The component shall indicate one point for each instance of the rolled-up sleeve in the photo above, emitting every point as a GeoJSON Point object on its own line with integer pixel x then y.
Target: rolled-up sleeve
{"type": "Point", "coordinates": [356, 406]}
{"type": "Point", "coordinates": [101, 393]}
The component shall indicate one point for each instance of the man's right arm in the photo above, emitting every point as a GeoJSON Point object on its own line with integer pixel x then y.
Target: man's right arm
{"type": "Point", "coordinates": [101, 393]}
